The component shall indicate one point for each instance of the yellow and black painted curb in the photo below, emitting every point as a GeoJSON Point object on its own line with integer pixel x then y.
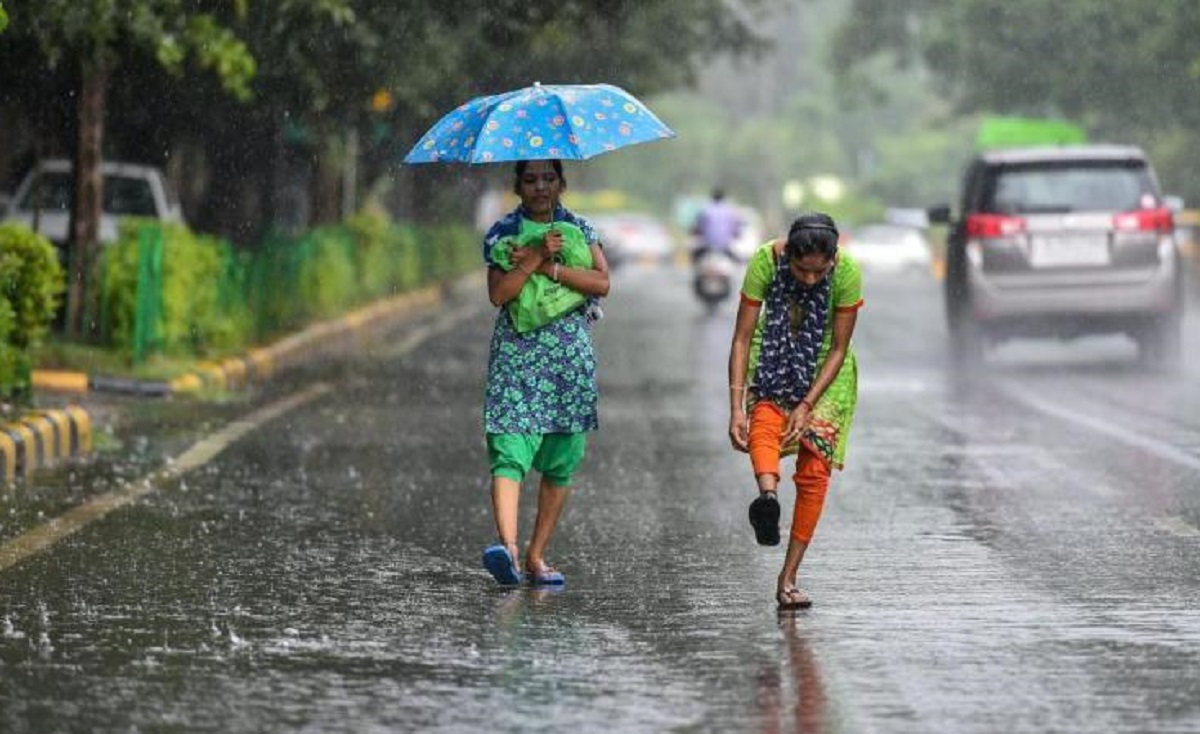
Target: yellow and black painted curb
{"type": "Point", "coordinates": [43, 438]}
{"type": "Point", "coordinates": [257, 365]}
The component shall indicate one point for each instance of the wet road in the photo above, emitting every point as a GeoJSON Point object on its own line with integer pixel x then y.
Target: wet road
{"type": "Point", "coordinates": [1012, 552]}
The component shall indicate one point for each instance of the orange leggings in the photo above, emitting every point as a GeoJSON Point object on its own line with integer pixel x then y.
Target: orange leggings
{"type": "Point", "coordinates": [767, 422]}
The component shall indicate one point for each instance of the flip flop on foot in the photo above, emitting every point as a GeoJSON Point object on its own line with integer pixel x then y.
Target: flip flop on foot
{"type": "Point", "coordinates": [500, 564]}
{"type": "Point", "coordinates": [543, 575]}
{"type": "Point", "coordinates": [764, 518]}
{"type": "Point", "coordinates": [792, 598]}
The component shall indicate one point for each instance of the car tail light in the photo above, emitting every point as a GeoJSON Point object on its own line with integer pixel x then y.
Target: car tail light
{"type": "Point", "coordinates": [990, 226]}
{"type": "Point", "coordinates": [1145, 220]}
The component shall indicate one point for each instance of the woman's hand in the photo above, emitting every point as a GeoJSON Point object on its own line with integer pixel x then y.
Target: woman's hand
{"type": "Point", "coordinates": [552, 243]}
{"type": "Point", "coordinates": [528, 259]}
{"type": "Point", "coordinates": [796, 422]}
{"type": "Point", "coordinates": [739, 429]}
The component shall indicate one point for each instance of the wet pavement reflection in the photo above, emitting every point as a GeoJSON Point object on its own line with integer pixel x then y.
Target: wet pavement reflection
{"type": "Point", "coordinates": [1014, 551]}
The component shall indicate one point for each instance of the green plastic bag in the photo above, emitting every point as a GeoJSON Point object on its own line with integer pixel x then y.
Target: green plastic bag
{"type": "Point", "coordinates": [542, 300]}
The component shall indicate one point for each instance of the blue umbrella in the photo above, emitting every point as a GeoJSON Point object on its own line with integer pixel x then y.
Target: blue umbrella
{"type": "Point", "coordinates": [545, 121]}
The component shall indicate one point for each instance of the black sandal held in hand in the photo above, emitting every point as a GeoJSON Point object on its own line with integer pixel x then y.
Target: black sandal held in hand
{"type": "Point", "coordinates": [764, 518]}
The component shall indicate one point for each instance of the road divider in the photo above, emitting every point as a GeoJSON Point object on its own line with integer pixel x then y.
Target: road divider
{"type": "Point", "coordinates": [43, 438]}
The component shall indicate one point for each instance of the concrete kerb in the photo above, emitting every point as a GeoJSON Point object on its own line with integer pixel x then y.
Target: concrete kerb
{"type": "Point", "coordinates": [44, 437]}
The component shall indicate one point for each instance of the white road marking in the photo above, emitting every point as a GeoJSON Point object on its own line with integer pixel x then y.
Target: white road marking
{"type": "Point", "coordinates": [47, 534]}
{"type": "Point", "coordinates": [1161, 449]}
{"type": "Point", "coordinates": [419, 334]}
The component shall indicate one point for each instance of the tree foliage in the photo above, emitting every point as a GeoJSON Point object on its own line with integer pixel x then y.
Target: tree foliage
{"type": "Point", "coordinates": [782, 117]}
{"type": "Point", "coordinates": [80, 42]}
{"type": "Point", "coordinates": [93, 31]}
{"type": "Point", "coordinates": [325, 69]}
{"type": "Point", "coordinates": [1128, 71]}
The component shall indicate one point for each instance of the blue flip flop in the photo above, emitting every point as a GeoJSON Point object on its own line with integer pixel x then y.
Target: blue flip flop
{"type": "Point", "coordinates": [499, 563]}
{"type": "Point", "coordinates": [548, 577]}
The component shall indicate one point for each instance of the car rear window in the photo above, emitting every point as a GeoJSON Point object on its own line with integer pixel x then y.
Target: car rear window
{"type": "Point", "coordinates": [126, 196]}
{"type": "Point", "coordinates": [1069, 187]}
{"type": "Point", "coordinates": [123, 195]}
{"type": "Point", "coordinates": [49, 192]}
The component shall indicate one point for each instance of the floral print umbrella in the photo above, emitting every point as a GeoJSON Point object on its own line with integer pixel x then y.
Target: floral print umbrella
{"type": "Point", "coordinates": [544, 121]}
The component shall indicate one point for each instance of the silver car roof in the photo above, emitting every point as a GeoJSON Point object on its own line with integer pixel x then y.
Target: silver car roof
{"type": "Point", "coordinates": [1064, 153]}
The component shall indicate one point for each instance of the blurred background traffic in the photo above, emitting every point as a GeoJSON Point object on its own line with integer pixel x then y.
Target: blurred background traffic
{"type": "Point", "coordinates": [269, 116]}
{"type": "Point", "coordinates": [257, 124]}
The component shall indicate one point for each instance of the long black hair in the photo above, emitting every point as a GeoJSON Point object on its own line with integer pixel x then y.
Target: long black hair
{"type": "Point", "coordinates": [812, 234]}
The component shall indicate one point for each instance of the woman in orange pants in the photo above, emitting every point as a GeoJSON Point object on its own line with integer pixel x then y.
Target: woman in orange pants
{"type": "Point", "coordinates": [793, 379]}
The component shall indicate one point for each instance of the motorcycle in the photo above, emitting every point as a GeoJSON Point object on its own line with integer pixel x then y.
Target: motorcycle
{"type": "Point", "coordinates": [713, 277]}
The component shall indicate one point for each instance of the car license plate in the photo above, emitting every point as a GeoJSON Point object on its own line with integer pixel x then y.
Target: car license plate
{"type": "Point", "coordinates": [1049, 252]}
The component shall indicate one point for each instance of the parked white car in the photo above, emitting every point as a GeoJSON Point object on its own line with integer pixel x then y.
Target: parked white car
{"type": "Point", "coordinates": [134, 190]}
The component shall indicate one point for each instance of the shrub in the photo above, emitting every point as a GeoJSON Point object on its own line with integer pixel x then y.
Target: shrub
{"type": "Point", "coordinates": [404, 243]}
{"type": "Point", "coordinates": [31, 283]}
{"type": "Point", "coordinates": [215, 300]}
{"type": "Point", "coordinates": [197, 316]}
{"type": "Point", "coordinates": [373, 260]}
{"type": "Point", "coordinates": [327, 281]}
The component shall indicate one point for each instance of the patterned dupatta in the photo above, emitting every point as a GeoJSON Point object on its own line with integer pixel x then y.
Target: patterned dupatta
{"type": "Point", "coordinates": [792, 334]}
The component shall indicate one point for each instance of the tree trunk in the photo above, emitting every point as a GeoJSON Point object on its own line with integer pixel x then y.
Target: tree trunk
{"type": "Point", "coordinates": [89, 197]}
{"type": "Point", "coordinates": [327, 196]}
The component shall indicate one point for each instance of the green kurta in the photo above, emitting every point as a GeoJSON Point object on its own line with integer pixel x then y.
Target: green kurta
{"type": "Point", "coordinates": [829, 428]}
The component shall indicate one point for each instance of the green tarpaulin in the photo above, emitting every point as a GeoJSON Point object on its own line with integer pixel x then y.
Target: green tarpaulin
{"type": "Point", "coordinates": [1012, 132]}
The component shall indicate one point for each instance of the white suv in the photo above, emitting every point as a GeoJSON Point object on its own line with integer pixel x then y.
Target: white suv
{"type": "Point", "coordinates": [44, 197]}
{"type": "Point", "coordinates": [1062, 242]}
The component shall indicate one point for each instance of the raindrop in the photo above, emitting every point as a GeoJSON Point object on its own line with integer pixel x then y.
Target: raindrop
{"type": "Point", "coordinates": [234, 639]}
{"type": "Point", "coordinates": [10, 632]}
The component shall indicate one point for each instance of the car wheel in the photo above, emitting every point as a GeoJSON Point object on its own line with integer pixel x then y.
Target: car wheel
{"type": "Point", "coordinates": [1160, 342]}
{"type": "Point", "coordinates": [967, 344]}
{"type": "Point", "coordinates": [967, 340]}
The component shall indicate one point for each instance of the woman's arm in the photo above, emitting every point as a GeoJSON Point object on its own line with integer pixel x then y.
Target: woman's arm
{"type": "Point", "coordinates": [505, 286]}
{"type": "Point", "coordinates": [843, 330]}
{"type": "Point", "coordinates": [588, 281]}
{"type": "Point", "coordinates": [739, 360]}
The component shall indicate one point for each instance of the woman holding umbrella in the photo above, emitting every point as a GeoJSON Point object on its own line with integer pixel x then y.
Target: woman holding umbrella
{"type": "Point", "coordinates": [541, 384]}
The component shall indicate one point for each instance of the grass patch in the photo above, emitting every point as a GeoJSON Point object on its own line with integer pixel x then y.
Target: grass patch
{"type": "Point", "coordinates": [95, 360]}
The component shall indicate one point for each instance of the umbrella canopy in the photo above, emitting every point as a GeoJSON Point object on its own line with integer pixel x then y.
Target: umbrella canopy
{"type": "Point", "coordinates": [567, 121]}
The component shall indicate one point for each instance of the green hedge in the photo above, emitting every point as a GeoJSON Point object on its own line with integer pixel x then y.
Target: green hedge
{"type": "Point", "coordinates": [31, 284]}
{"type": "Point", "coordinates": [198, 316]}
{"type": "Point", "coordinates": [216, 300]}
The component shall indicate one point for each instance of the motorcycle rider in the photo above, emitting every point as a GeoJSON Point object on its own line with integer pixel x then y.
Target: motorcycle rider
{"type": "Point", "coordinates": [717, 227]}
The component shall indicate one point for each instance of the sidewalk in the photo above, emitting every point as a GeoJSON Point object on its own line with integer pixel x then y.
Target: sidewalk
{"type": "Point", "coordinates": [62, 427]}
